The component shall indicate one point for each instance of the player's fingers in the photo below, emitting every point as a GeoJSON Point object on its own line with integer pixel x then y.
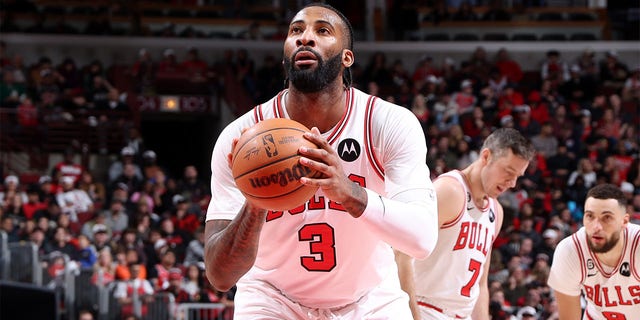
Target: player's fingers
{"type": "Point", "coordinates": [315, 137]}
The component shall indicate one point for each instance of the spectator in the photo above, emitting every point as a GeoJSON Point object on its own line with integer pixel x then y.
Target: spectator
{"type": "Point", "coordinates": [126, 258]}
{"type": "Point", "coordinates": [33, 203]}
{"type": "Point", "coordinates": [554, 69]}
{"type": "Point", "coordinates": [464, 100]}
{"type": "Point", "coordinates": [195, 249]}
{"type": "Point", "coordinates": [85, 256]}
{"type": "Point", "coordinates": [252, 32]}
{"type": "Point", "coordinates": [127, 156]}
{"type": "Point", "coordinates": [464, 12]}
{"type": "Point", "coordinates": [61, 243]}
{"type": "Point", "coordinates": [191, 185]}
{"type": "Point", "coordinates": [545, 142]}
{"type": "Point", "coordinates": [584, 170]}
{"type": "Point", "coordinates": [125, 289]}
{"type": "Point", "coordinates": [169, 63]}
{"type": "Point", "coordinates": [159, 275]}
{"type": "Point", "coordinates": [9, 227]}
{"type": "Point", "coordinates": [101, 239]}
{"type": "Point", "coordinates": [144, 72]}
{"type": "Point", "coordinates": [613, 72]}
{"type": "Point", "coordinates": [73, 201]}
{"type": "Point", "coordinates": [94, 189]}
{"type": "Point", "coordinates": [67, 167]}
{"type": "Point", "coordinates": [195, 67]}
{"type": "Point", "coordinates": [116, 217]}
{"type": "Point", "coordinates": [496, 12]}
{"type": "Point", "coordinates": [508, 67]}
{"type": "Point", "coordinates": [631, 87]}
{"type": "Point", "coordinates": [11, 92]}
{"type": "Point", "coordinates": [39, 238]}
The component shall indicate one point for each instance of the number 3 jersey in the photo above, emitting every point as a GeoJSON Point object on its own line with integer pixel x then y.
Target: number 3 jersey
{"type": "Point", "coordinates": [612, 292]}
{"type": "Point", "coordinates": [317, 254]}
{"type": "Point", "coordinates": [447, 281]}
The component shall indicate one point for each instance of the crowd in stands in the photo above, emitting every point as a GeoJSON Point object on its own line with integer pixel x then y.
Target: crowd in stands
{"type": "Point", "coordinates": [142, 227]}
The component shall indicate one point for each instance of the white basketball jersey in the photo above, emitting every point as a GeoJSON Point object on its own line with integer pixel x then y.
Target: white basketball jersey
{"type": "Point", "coordinates": [310, 253]}
{"type": "Point", "coordinates": [447, 280]}
{"type": "Point", "coordinates": [611, 292]}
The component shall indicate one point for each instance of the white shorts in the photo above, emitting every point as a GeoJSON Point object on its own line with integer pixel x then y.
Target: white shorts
{"type": "Point", "coordinates": [257, 300]}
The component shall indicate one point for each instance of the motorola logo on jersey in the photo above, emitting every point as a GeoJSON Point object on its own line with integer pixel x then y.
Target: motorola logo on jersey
{"type": "Point", "coordinates": [349, 150]}
{"type": "Point", "coordinates": [625, 270]}
{"type": "Point", "coordinates": [492, 216]}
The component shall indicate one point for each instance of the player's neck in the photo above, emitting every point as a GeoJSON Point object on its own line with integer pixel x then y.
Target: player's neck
{"type": "Point", "coordinates": [611, 258]}
{"type": "Point", "coordinates": [471, 176]}
{"type": "Point", "coordinates": [322, 109]}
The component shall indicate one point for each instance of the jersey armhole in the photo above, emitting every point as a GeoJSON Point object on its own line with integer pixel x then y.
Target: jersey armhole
{"type": "Point", "coordinates": [455, 220]}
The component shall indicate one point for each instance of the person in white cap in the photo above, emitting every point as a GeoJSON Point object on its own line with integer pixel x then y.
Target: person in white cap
{"type": "Point", "coordinates": [11, 190]}
{"type": "Point", "coordinates": [73, 201]}
{"type": "Point", "coordinates": [601, 261]}
{"type": "Point", "coordinates": [127, 156]}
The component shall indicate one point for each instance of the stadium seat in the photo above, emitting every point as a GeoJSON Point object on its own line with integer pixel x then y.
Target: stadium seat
{"type": "Point", "coordinates": [550, 16]}
{"type": "Point", "coordinates": [580, 16]}
{"type": "Point", "coordinates": [553, 37]}
{"type": "Point", "coordinates": [437, 37]}
{"type": "Point", "coordinates": [495, 37]}
{"type": "Point", "coordinates": [466, 37]}
{"type": "Point", "coordinates": [583, 37]}
{"type": "Point", "coordinates": [524, 37]}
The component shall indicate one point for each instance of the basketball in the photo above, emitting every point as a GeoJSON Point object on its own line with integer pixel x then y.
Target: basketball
{"type": "Point", "coordinates": [266, 168]}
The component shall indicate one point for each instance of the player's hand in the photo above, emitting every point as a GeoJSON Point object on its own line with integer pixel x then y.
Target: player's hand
{"type": "Point", "coordinates": [334, 183]}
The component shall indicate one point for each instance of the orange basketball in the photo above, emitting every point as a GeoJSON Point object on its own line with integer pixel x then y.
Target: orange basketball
{"type": "Point", "coordinates": [266, 166]}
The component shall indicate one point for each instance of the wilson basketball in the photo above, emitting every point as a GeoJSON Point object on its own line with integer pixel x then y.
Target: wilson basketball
{"type": "Point", "coordinates": [266, 167]}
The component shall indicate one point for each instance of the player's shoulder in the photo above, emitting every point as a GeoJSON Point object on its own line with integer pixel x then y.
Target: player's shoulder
{"type": "Point", "coordinates": [382, 109]}
{"type": "Point", "coordinates": [569, 246]}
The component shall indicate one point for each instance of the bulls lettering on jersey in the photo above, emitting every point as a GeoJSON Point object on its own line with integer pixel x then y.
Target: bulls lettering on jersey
{"type": "Point", "coordinates": [612, 292]}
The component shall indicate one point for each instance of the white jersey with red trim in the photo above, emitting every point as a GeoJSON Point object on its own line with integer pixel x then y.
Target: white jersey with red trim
{"type": "Point", "coordinates": [310, 253]}
{"type": "Point", "coordinates": [611, 292]}
{"type": "Point", "coordinates": [447, 281]}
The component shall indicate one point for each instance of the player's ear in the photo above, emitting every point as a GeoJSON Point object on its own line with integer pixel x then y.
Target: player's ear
{"type": "Point", "coordinates": [485, 155]}
{"type": "Point", "coordinates": [347, 58]}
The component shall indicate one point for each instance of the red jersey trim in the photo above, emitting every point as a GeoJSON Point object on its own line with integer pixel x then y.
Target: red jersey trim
{"type": "Point", "coordinates": [257, 113]}
{"type": "Point", "coordinates": [576, 243]}
{"type": "Point", "coordinates": [424, 304]}
{"type": "Point", "coordinates": [342, 124]}
{"type": "Point", "coordinates": [368, 139]}
{"type": "Point", "coordinates": [634, 248]}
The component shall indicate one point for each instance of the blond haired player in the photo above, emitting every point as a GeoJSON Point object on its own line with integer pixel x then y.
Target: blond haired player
{"type": "Point", "coordinates": [601, 261]}
{"type": "Point", "coordinates": [452, 282]}
{"type": "Point", "coordinates": [333, 257]}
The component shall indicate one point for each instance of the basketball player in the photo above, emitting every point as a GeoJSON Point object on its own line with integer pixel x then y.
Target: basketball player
{"type": "Point", "coordinates": [601, 260]}
{"type": "Point", "coordinates": [333, 257]}
{"type": "Point", "coordinates": [452, 282]}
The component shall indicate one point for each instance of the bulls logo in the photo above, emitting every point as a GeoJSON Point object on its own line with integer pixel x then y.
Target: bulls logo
{"type": "Point", "coordinates": [269, 145]}
{"type": "Point", "coordinates": [349, 150]}
{"type": "Point", "coordinates": [625, 270]}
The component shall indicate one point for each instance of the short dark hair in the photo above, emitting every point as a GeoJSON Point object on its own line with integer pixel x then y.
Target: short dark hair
{"type": "Point", "coordinates": [607, 191]}
{"type": "Point", "coordinates": [347, 78]}
{"type": "Point", "coordinates": [504, 139]}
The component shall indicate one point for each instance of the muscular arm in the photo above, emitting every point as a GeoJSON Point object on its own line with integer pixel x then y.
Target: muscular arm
{"type": "Point", "coordinates": [568, 306]}
{"type": "Point", "coordinates": [231, 246]}
{"type": "Point", "coordinates": [405, 273]}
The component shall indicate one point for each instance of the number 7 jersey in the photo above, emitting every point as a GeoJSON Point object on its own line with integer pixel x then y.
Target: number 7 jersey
{"type": "Point", "coordinates": [447, 281]}
{"type": "Point", "coordinates": [317, 254]}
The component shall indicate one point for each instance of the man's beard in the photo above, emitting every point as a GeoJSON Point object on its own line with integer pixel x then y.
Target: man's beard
{"type": "Point", "coordinates": [309, 80]}
{"type": "Point", "coordinates": [607, 246]}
